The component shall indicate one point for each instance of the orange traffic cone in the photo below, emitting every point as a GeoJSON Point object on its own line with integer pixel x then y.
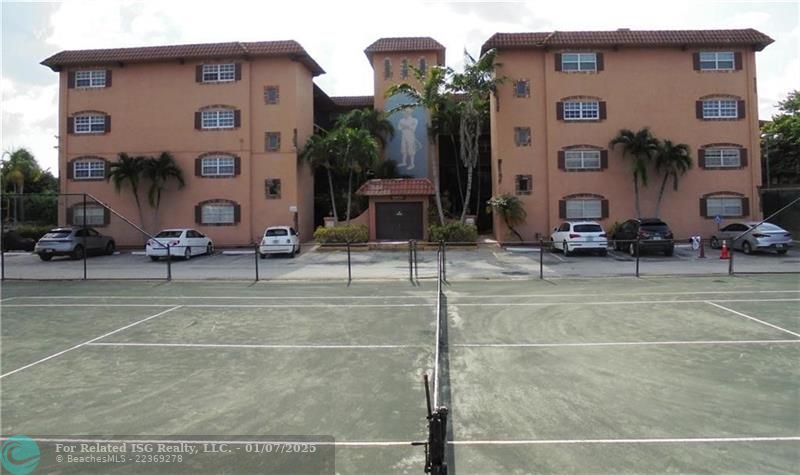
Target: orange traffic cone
{"type": "Point", "coordinates": [725, 254]}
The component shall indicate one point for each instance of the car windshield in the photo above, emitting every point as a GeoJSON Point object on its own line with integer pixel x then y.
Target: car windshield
{"type": "Point", "coordinates": [767, 227]}
{"type": "Point", "coordinates": [276, 232]}
{"type": "Point", "coordinates": [57, 234]}
{"type": "Point", "coordinates": [588, 228]}
{"type": "Point", "coordinates": [169, 234]}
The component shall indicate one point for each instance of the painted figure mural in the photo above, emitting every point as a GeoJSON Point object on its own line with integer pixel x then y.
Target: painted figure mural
{"type": "Point", "coordinates": [409, 146]}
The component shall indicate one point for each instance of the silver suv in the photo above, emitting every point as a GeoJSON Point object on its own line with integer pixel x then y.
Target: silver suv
{"type": "Point", "coordinates": [73, 242]}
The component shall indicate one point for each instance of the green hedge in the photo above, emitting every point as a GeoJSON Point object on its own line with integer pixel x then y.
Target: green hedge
{"type": "Point", "coordinates": [33, 231]}
{"type": "Point", "coordinates": [342, 234]}
{"type": "Point", "coordinates": [454, 231]}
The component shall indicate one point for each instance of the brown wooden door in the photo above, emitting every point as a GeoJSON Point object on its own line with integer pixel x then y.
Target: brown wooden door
{"type": "Point", "coordinates": [398, 221]}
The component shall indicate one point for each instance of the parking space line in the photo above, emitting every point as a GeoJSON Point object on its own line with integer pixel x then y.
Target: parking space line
{"type": "Point", "coordinates": [752, 318]}
{"type": "Point", "coordinates": [55, 355]}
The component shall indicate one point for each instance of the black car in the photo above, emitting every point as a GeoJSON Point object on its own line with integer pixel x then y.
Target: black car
{"type": "Point", "coordinates": [651, 233]}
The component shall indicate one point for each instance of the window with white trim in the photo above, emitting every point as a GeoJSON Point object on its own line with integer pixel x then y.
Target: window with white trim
{"type": "Point", "coordinates": [720, 109]}
{"type": "Point", "coordinates": [219, 72]}
{"type": "Point", "coordinates": [584, 209]}
{"type": "Point", "coordinates": [723, 158]}
{"type": "Point", "coordinates": [218, 165]}
{"type": "Point", "coordinates": [88, 169]}
{"type": "Point", "coordinates": [579, 62]}
{"type": "Point", "coordinates": [95, 215]}
{"type": "Point", "coordinates": [581, 110]}
{"type": "Point", "coordinates": [90, 78]}
{"type": "Point", "coordinates": [217, 213]}
{"type": "Point", "coordinates": [582, 159]}
{"type": "Point", "coordinates": [90, 124]}
{"type": "Point", "coordinates": [724, 206]}
{"type": "Point", "coordinates": [217, 119]}
{"type": "Point", "coordinates": [716, 60]}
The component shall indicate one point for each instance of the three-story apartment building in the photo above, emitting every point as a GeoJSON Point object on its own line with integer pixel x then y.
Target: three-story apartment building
{"type": "Point", "coordinates": [234, 116]}
{"type": "Point", "coordinates": [568, 94]}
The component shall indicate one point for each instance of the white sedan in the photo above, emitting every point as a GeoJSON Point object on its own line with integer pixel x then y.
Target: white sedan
{"type": "Point", "coordinates": [279, 240]}
{"type": "Point", "coordinates": [180, 242]}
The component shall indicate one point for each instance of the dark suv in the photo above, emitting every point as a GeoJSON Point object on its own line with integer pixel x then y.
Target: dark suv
{"type": "Point", "coordinates": [652, 234]}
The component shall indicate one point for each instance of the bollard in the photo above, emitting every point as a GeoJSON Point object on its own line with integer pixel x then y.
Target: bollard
{"type": "Point", "coordinates": [256, 257]}
{"type": "Point", "coordinates": [730, 261]}
{"type": "Point", "coordinates": [637, 257]}
{"type": "Point", "coordinates": [541, 259]}
{"type": "Point", "coordinates": [349, 270]}
{"type": "Point", "coordinates": [702, 249]}
{"type": "Point", "coordinates": [169, 263]}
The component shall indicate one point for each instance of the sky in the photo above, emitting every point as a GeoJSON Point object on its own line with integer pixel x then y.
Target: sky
{"type": "Point", "coordinates": [335, 34]}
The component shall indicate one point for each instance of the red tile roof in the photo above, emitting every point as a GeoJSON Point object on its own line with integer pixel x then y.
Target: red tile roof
{"type": "Point", "coordinates": [409, 44]}
{"type": "Point", "coordinates": [396, 187]}
{"type": "Point", "coordinates": [289, 48]}
{"type": "Point", "coordinates": [625, 37]}
{"type": "Point", "coordinates": [353, 101]}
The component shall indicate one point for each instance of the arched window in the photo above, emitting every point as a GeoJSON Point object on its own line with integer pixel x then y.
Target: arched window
{"type": "Point", "coordinates": [218, 213]}
{"type": "Point", "coordinates": [583, 206]}
{"type": "Point", "coordinates": [387, 68]}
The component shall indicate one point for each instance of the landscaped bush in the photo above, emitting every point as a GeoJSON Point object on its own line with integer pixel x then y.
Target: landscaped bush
{"type": "Point", "coordinates": [453, 231]}
{"type": "Point", "coordinates": [33, 231]}
{"type": "Point", "coordinates": [342, 234]}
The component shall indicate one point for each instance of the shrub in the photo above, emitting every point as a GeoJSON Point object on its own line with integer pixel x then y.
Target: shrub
{"type": "Point", "coordinates": [454, 231]}
{"type": "Point", "coordinates": [33, 231]}
{"type": "Point", "coordinates": [342, 234]}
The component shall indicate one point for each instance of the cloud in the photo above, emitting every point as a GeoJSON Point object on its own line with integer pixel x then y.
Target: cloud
{"type": "Point", "coordinates": [30, 120]}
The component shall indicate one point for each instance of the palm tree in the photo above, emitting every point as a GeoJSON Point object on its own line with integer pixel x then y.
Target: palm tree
{"type": "Point", "coordinates": [358, 151]}
{"type": "Point", "coordinates": [159, 170]}
{"type": "Point", "coordinates": [510, 209]}
{"type": "Point", "coordinates": [318, 153]}
{"type": "Point", "coordinates": [372, 120]}
{"type": "Point", "coordinates": [642, 147]}
{"type": "Point", "coordinates": [19, 170]}
{"type": "Point", "coordinates": [673, 161]}
{"type": "Point", "coordinates": [431, 96]}
{"type": "Point", "coordinates": [128, 169]}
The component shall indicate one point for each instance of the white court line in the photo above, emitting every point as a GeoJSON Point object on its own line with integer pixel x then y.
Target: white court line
{"type": "Point", "coordinates": [55, 355]}
{"type": "Point", "coordinates": [622, 343]}
{"type": "Point", "coordinates": [482, 304]}
{"type": "Point", "coordinates": [344, 443]}
{"type": "Point", "coordinates": [455, 294]}
{"type": "Point", "coordinates": [223, 345]}
{"type": "Point", "coordinates": [688, 440]}
{"type": "Point", "coordinates": [217, 297]}
{"type": "Point", "coordinates": [753, 318]}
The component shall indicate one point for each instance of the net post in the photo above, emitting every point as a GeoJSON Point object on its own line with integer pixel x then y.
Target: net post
{"type": "Point", "coordinates": [83, 238]}
{"type": "Point", "coordinates": [730, 261]}
{"type": "Point", "coordinates": [169, 262]}
{"type": "Point", "coordinates": [637, 256]}
{"type": "Point", "coordinates": [255, 254]}
{"type": "Point", "coordinates": [541, 259]}
{"type": "Point", "coordinates": [349, 267]}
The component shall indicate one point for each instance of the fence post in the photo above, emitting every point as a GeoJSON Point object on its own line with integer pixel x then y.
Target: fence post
{"type": "Point", "coordinates": [730, 261]}
{"type": "Point", "coordinates": [416, 263]}
{"type": "Point", "coordinates": [256, 257]}
{"type": "Point", "coordinates": [444, 260]}
{"type": "Point", "coordinates": [541, 259]}
{"type": "Point", "coordinates": [85, 250]}
{"type": "Point", "coordinates": [169, 262]}
{"type": "Point", "coordinates": [349, 269]}
{"type": "Point", "coordinates": [411, 261]}
{"type": "Point", "coordinates": [2, 238]}
{"type": "Point", "coordinates": [637, 256]}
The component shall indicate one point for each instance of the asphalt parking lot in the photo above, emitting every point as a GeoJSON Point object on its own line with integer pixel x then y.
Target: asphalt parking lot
{"type": "Point", "coordinates": [485, 262]}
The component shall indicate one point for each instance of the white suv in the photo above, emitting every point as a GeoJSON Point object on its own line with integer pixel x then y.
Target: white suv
{"type": "Point", "coordinates": [279, 240]}
{"type": "Point", "coordinates": [572, 236]}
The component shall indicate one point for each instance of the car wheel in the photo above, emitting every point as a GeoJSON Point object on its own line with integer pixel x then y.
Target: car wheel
{"type": "Point", "coordinates": [154, 258]}
{"type": "Point", "coordinates": [263, 256]}
{"type": "Point", "coordinates": [187, 253]}
{"type": "Point", "coordinates": [747, 248]}
{"type": "Point", "coordinates": [604, 252]}
{"type": "Point", "coordinates": [566, 250]}
{"type": "Point", "coordinates": [781, 251]}
{"type": "Point", "coordinates": [715, 242]}
{"type": "Point", "coordinates": [298, 249]}
{"type": "Point", "coordinates": [110, 247]}
{"type": "Point", "coordinates": [291, 254]}
{"type": "Point", "coordinates": [632, 249]}
{"type": "Point", "coordinates": [210, 249]}
{"type": "Point", "coordinates": [47, 257]}
{"type": "Point", "coordinates": [669, 252]}
{"type": "Point", "coordinates": [78, 253]}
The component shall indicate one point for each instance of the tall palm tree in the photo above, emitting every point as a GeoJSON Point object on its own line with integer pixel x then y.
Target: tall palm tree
{"type": "Point", "coordinates": [160, 170]}
{"type": "Point", "coordinates": [372, 120]}
{"type": "Point", "coordinates": [359, 152]}
{"type": "Point", "coordinates": [673, 161]}
{"type": "Point", "coordinates": [642, 147]}
{"type": "Point", "coordinates": [20, 169]}
{"type": "Point", "coordinates": [128, 169]}
{"type": "Point", "coordinates": [318, 153]}
{"type": "Point", "coordinates": [430, 95]}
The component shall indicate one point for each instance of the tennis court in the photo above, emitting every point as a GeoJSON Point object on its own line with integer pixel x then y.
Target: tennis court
{"type": "Point", "coordinates": [573, 376]}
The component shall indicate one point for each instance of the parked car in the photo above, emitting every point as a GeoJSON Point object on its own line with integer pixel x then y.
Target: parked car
{"type": "Point", "coordinates": [765, 237]}
{"type": "Point", "coordinates": [573, 236]}
{"type": "Point", "coordinates": [73, 242]}
{"type": "Point", "coordinates": [653, 235]}
{"type": "Point", "coordinates": [13, 241]}
{"type": "Point", "coordinates": [279, 240]}
{"type": "Point", "coordinates": [181, 243]}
